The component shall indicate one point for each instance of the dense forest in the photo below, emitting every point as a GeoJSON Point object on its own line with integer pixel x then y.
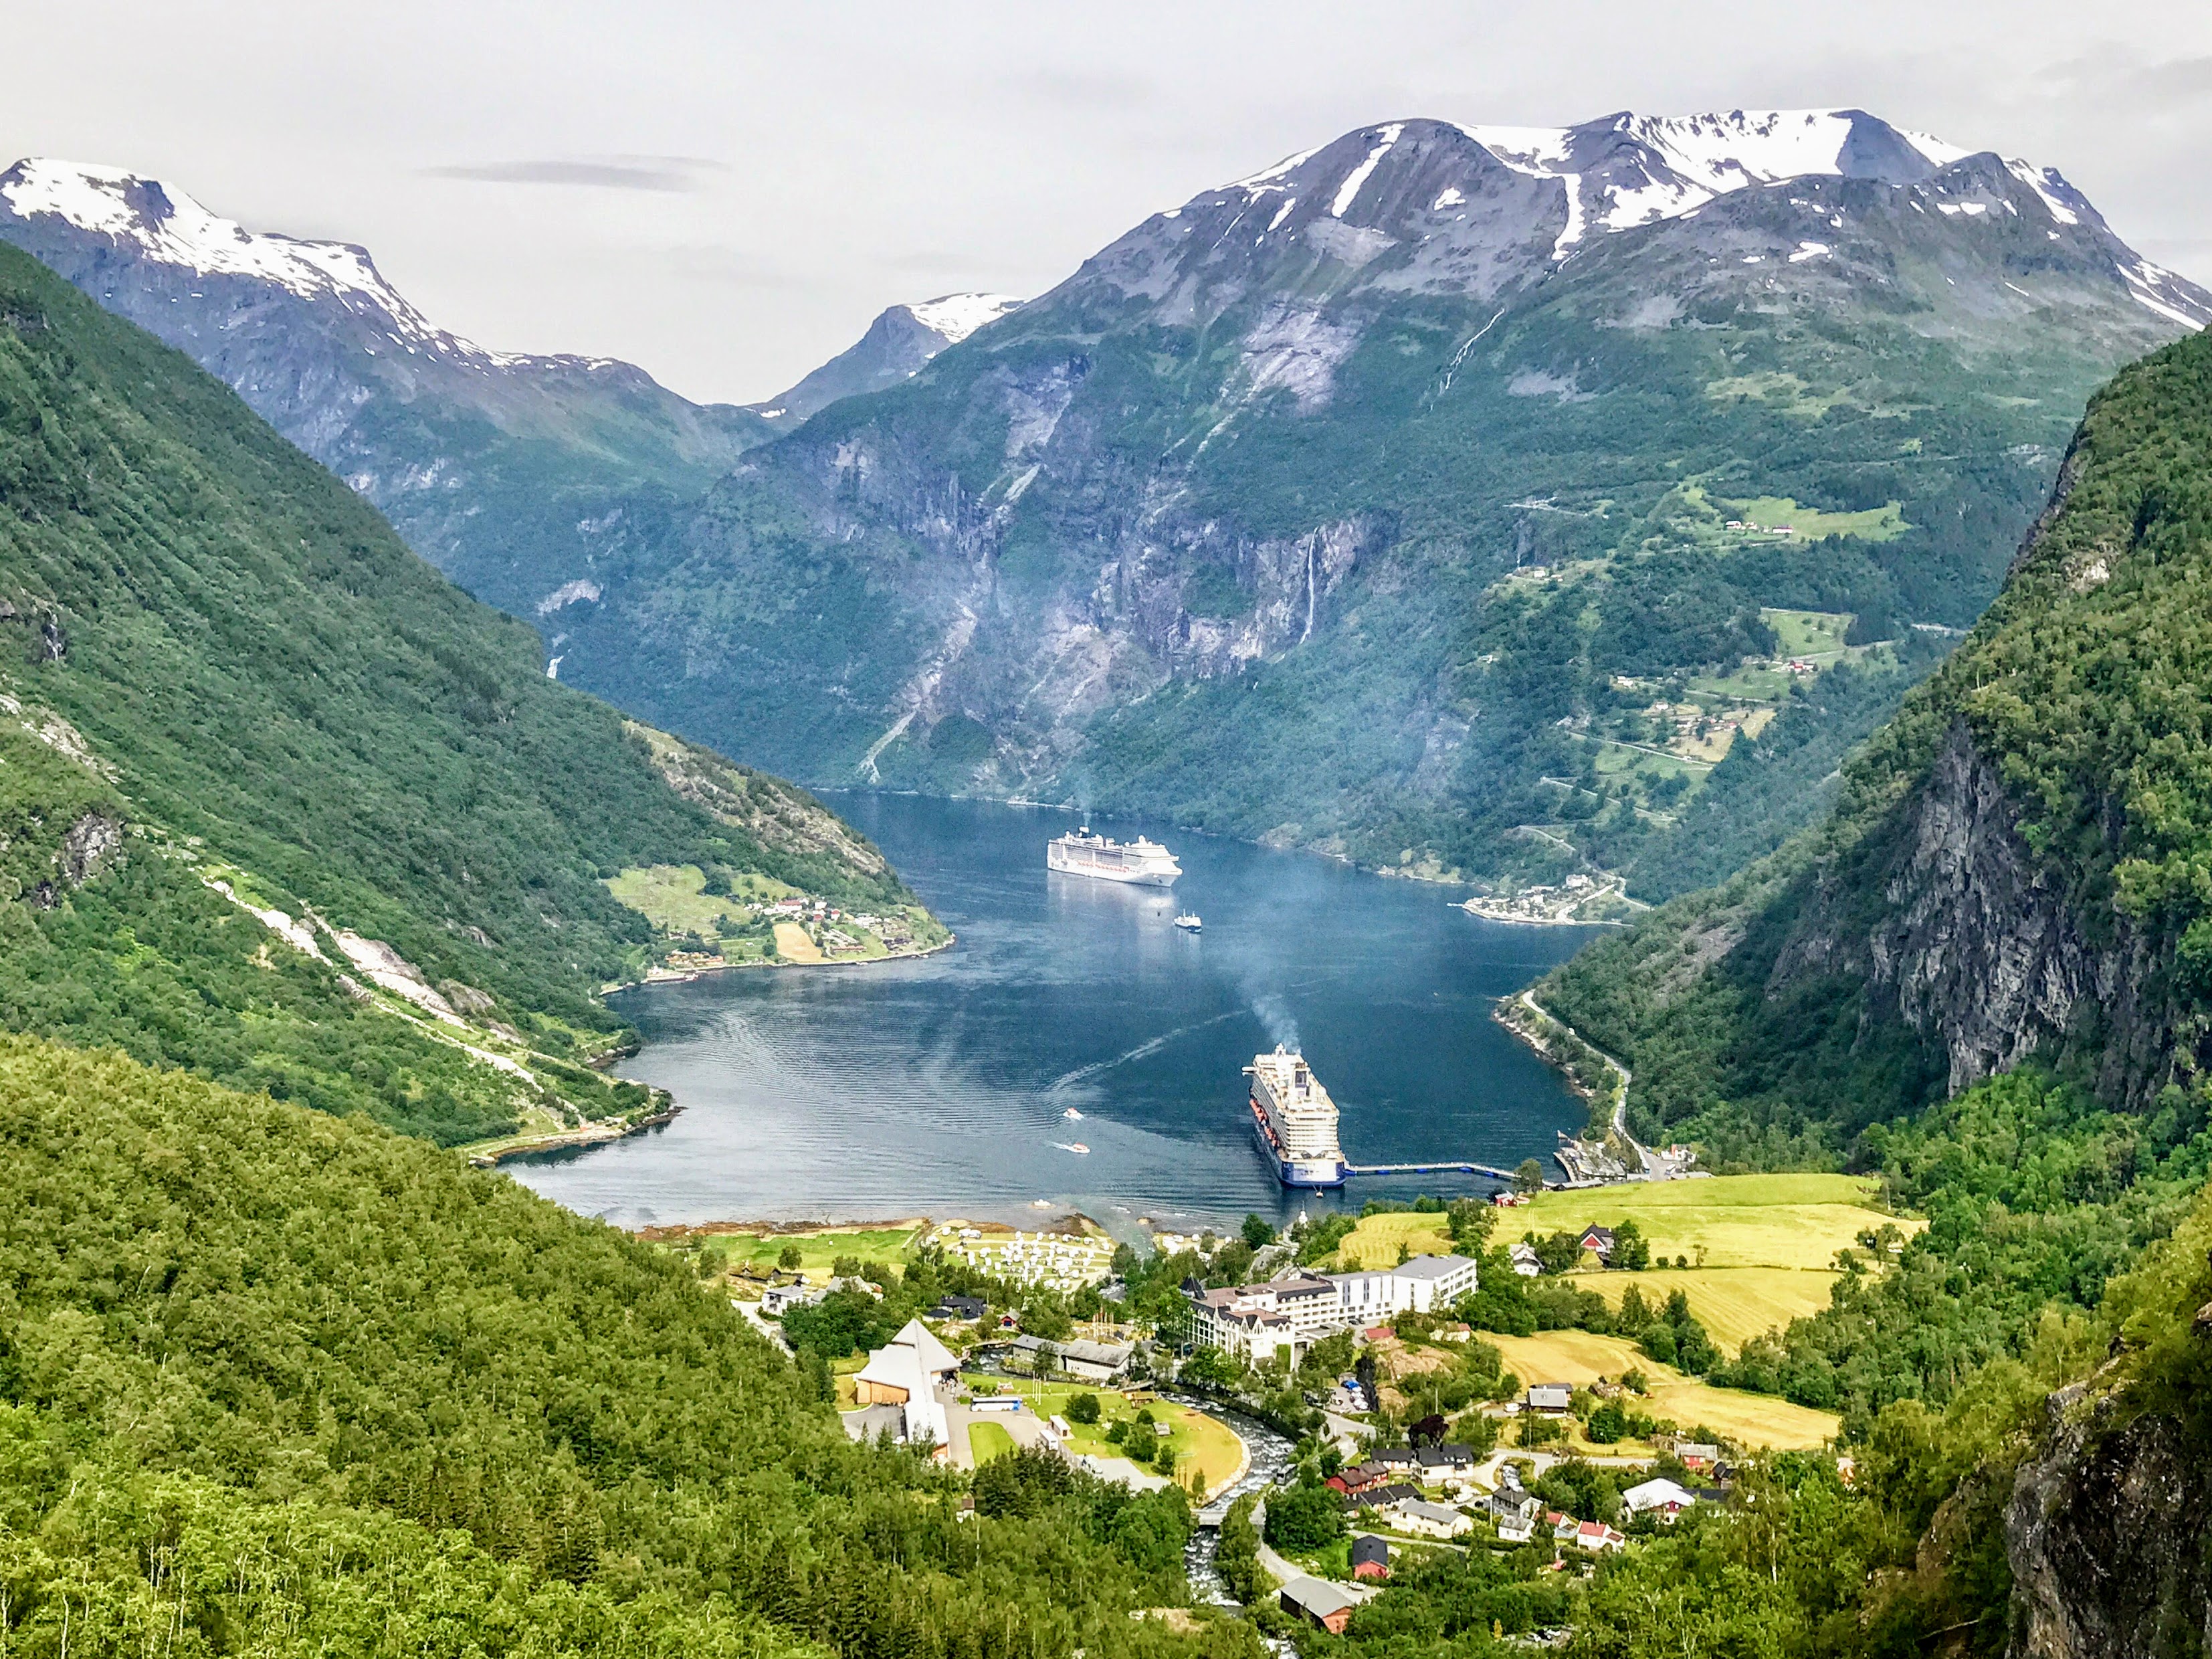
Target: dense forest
{"type": "Point", "coordinates": [216, 663]}
{"type": "Point", "coordinates": [271, 1380]}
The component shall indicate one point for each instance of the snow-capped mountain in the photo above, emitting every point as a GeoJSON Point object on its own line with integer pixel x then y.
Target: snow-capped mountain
{"type": "Point", "coordinates": [897, 344]}
{"type": "Point", "coordinates": [486, 460]}
{"type": "Point", "coordinates": [1435, 207]}
{"type": "Point", "coordinates": [1224, 526]}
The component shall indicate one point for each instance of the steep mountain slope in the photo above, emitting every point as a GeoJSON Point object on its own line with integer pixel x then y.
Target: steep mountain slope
{"type": "Point", "coordinates": [492, 464]}
{"type": "Point", "coordinates": [897, 344]}
{"type": "Point", "coordinates": [1982, 979]}
{"type": "Point", "coordinates": [280, 804]}
{"type": "Point", "coordinates": [272, 1383]}
{"type": "Point", "coordinates": [1473, 499]}
{"type": "Point", "coordinates": [1434, 484]}
{"type": "Point", "coordinates": [2013, 871]}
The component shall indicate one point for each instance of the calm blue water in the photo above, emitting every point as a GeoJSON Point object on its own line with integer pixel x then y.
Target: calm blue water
{"type": "Point", "coordinates": [938, 1086]}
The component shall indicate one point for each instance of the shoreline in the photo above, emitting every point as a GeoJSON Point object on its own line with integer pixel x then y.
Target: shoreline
{"type": "Point", "coordinates": [1534, 921]}
{"type": "Point", "coordinates": [583, 1136]}
{"type": "Point", "coordinates": [687, 975]}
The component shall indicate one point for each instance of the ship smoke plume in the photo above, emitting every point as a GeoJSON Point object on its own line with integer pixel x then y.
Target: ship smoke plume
{"type": "Point", "coordinates": [1275, 1014]}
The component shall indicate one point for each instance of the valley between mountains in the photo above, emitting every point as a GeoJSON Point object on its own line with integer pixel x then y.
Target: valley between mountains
{"type": "Point", "coordinates": [1471, 501]}
{"type": "Point", "coordinates": [1796, 526]}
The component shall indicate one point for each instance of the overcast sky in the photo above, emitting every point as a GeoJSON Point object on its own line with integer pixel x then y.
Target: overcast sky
{"type": "Point", "coordinates": [727, 194]}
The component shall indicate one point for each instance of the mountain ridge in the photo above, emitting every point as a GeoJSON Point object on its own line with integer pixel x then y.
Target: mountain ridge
{"type": "Point", "coordinates": [480, 458]}
{"type": "Point", "coordinates": [281, 806]}
{"type": "Point", "coordinates": [900, 339]}
{"type": "Point", "coordinates": [1082, 543]}
{"type": "Point", "coordinates": [1332, 458]}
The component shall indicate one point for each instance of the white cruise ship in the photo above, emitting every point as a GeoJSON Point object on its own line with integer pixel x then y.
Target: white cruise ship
{"type": "Point", "coordinates": [1295, 1121]}
{"type": "Point", "coordinates": [1146, 863]}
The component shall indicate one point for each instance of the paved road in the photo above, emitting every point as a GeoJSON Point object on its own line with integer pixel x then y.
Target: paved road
{"type": "Point", "coordinates": [1486, 1473]}
{"type": "Point", "coordinates": [1620, 1106]}
{"type": "Point", "coordinates": [767, 1327]}
{"type": "Point", "coordinates": [1346, 1432]}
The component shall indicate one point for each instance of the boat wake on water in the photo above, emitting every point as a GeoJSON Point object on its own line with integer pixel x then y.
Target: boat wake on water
{"type": "Point", "coordinates": [1067, 1080]}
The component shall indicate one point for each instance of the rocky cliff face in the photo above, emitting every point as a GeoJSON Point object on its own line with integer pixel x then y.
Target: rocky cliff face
{"type": "Point", "coordinates": [1368, 501]}
{"type": "Point", "coordinates": [1981, 945]}
{"type": "Point", "coordinates": [1227, 525]}
{"type": "Point", "coordinates": [2108, 1537]}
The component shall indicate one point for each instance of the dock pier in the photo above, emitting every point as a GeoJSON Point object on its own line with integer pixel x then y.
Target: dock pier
{"type": "Point", "coordinates": [1450, 1167]}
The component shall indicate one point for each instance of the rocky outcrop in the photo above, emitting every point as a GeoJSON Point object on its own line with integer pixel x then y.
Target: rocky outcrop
{"type": "Point", "coordinates": [2107, 1537]}
{"type": "Point", "coordinates": [93, 840]}
{"type": "Point", "coordinates": [1980, 946]}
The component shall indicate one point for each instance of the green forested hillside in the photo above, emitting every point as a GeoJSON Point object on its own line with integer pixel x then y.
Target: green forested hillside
{"type": "Point", "coordinates": [2083, 689]}
{"type": "Point", "coordinates": [210, 648]}
{"type": "Point", "coordinates": [274, 1382]}
{"type": "Point", "coordinates": [2022, 848]}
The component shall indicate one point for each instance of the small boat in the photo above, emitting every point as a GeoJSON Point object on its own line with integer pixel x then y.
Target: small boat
{"type": "Point", "coordinates": [1072, 1146]}
{"type": "Point", "coordinates": [1188, 923]}
{"type": "Point", "coordinates": [1073, 1115]}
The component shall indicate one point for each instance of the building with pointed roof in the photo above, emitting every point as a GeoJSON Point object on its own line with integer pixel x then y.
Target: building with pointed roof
{"type": "Point", "coordinates": [907, 1372]}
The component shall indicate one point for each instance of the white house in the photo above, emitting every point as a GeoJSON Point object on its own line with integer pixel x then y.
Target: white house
{"type": "Point", "coordinates": [1515, 1513]}
{"type": "Point", "coordinates": [1667, 1497]}
{"type": "Point", "coordinates": [1550, 1397]}
{"type": "Point", "coordinates": [1595, 1535]}
{"type": "Point", "coordinates": [1428, 1520]}
{"type": "Point", "coordinates": [907, 1371]}
{"type": "Point", "coordinates": [779, 1299]}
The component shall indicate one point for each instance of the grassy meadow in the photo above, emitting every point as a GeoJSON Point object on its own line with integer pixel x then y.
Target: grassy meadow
{"type": "Point", "coordinates": [1584, 1357]}
{"type": "Point", "coordinates": [1763, 1247]}
{"type": "Point", "coordinates": [1202, 1444]}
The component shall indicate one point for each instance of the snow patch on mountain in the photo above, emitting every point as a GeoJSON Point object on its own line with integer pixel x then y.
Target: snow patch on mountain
{"type": "Point", "coordinates": [956, 316]}
{"type": "Point", "coordinates": [165, 224]}
{"type": "Point", "coordinates": [1620, 173]}
{"type": "Point", "coordinates": [1629, 170]}
{"type": "Point", "coordinates": [1348, 192]}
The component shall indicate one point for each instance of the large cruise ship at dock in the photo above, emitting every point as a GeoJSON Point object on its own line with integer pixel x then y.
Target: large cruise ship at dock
{"type": "Point", "coordinates": [1295, 1121]}
{"type": "Point", "coordinates": [1141, 862]}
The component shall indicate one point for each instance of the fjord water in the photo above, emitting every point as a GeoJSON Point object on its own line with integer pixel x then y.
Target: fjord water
{"type": "Point", "coordinates": [940, 1086]}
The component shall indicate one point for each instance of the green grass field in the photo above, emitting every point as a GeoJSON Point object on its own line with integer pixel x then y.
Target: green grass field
{"type": "Point", "coordinates": [1737, 1221]}
{"type": "Point", "coordinates": [1780, 390]}
{"type": "Point", "coordinates": [817, 1250]}
{"type": "Point", "coordinates": [1879, 524]}
{"type": "Point", "coordinates": [988, 1440]}
{"type": "Point", "coordinates": [1374, 1243]}
{"type": "Point", "coordinates": [1808, 633]}
{"type": "Point", "coordinates": [1211, 1448]}
{"type": "Point", "coordinates": [1768, 1242]}
{"type": "Point", "coordinates": [1733, 1303]}
{"type": "Point", "coordinates": [673, 898]}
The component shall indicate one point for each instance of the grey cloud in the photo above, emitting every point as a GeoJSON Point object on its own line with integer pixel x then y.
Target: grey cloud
{"type": "Point", "coordinates": [2122, 78]}
{"type": "Point", "coordinates": [2183, 82]}
{"type": "Point", "coordinates": [930, 261]}
{"type": "Point", "coordinates": [1081, 89]}
{"type": "Point", "coordinates": [676, 174]}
